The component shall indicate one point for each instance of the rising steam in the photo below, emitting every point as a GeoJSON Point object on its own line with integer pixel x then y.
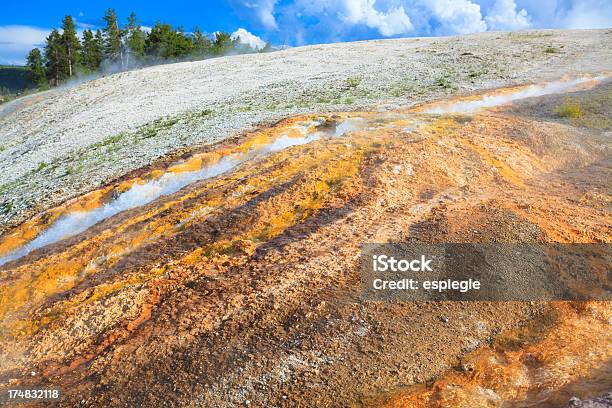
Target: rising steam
{"type": "Point", "coordinates": [488, 101]}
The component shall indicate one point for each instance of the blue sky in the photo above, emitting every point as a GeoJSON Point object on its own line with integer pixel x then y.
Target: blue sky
{"type": "Point", "coordinates": [24, 25]}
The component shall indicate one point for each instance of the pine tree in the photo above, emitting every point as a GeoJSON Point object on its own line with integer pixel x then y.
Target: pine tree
{"type": "Point", "coordinates": [112, 38]}
{"type": "Point", "coordinates": [99, 54]}
{"type": "Point", "coordinates": [71, 44]}
{"type": "Point", "coordinates": [201, 44]}
{"type": "Point", "coordinates": [223, 43]}
{"type": "Point", "coordinates": [36, 67]}
{"type": "Point", "coordinates": [91, 52]}
{"type": "Point", "coordinates": [88, 42]}
{"type": "Point", "coordinates": [135, 41]}
{"type": "Point", "coordinates": [166, 43]}
{"type": "Point", "coordinates": [157, 43]}
{"type": "Point", "coordinates": [55, 57]}
{"type": "Point", "coordinates": [182, 44]}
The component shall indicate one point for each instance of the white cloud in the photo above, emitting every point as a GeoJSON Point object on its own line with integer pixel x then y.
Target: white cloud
{"type": "Point", "coordinates": [265, 12]}
{"type": "Point", "coordinates": [308, 21]}
{"type": "Point", "coordinates": [262, 10]}
{"type": "Point", "coordinates": [503, 16]}
{"type": "Point", "coordinates": [84, 26]}
{"type": "Point", "coordinates": [17, 40]}
{"type": "Point", "coordinates": [24, 35]}
{"type": "Point", "coordinates": [248, 38]}
{"type": "Point", "coordinates": [589, 14]}
{"type": "Point", "coordinates": [393, 22]}
{"type": "Point", "coordinates": [332, 19]}
{"type": "Point", "coordinates": [456, 16]}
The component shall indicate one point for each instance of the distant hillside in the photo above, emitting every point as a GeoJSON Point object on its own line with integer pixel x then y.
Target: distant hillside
{"type": "Point", "coordinates": [14, 78]}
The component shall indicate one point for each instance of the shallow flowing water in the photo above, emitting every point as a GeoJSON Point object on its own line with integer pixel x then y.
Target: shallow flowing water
{"type": "Point", "coordinates": [170, 182]}
{"type": "Point", "coordinates": [505, 97]}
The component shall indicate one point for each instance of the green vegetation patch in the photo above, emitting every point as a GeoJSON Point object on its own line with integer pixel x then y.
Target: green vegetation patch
{"type": "Point", "coordinates": [444, 82]}
{"type": "Point", "coordinates": [591, 109]}
{"type": "Point", "coordinates": [552, 50]}
{"type": "Point", "coordinates": [569, 109]}
{"type": "Point", "coordinates": [353, 81]}
{"type": "Point", "coordinates": [402, 88]}
{"type": "Point", "coordinates": [7, 207]}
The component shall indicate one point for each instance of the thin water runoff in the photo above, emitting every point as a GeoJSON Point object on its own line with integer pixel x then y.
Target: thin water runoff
{"type": "Point", "coordinates": [138, 195]}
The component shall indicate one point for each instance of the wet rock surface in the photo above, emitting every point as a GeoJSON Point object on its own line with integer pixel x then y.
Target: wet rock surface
{"type": "Point", "coordinates": [60, 144]}
{"type": "Point", "coordinates": [244, 289]}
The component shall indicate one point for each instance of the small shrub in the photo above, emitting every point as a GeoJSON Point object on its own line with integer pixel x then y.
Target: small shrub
{"type": "Point", "coordinates": [474, 74]}
{"type": "Point", "coordinates": [400, 89]}
{"type": "Point", "coordinates": [110, 140]}
{"type": "Point", "coordinates": [570, 109]}
{"type": "Point", "coordinates": [551, 50]}
{"type": "Point", "coordinates": [8, 207]}
{"type": "Point", "coordinates": [353, 82]}
{"type": "Point", "coordinates": [443, 82]}
{"type": "Point", "coordinates": [41, 166]}
{"type": "Point", "coordinates": [207, 112]}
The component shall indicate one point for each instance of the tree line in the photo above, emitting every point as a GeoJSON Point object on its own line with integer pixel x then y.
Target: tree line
{"type": "Point", "coordinates": [122, 48]}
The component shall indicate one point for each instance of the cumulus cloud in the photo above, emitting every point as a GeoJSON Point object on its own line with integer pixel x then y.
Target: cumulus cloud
{"type": "Point", "coordinates": [503, 16]}
{"type": "Point", "coordinates": [245, 37]}
{"type": "Point", "coordinates": [308, 21]}
{"type": "Point", "coordinates": [456, 16]}
{"type": "Point", "coordinates": [589, 14]}
{"type": "Point", "coordinates": [261, 10]}
{"type": "Point", "coordinates": [392, 22]}
{"type": "Point", "coordinates": [311, 21]}
{"type": "Point", "coordinates": [17, 40]}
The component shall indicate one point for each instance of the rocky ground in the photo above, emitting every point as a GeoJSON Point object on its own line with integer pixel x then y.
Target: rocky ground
{"type": "Point", "coordinates": [244, 290]}
{"type": "Point", "coordinates": [60, 144]}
